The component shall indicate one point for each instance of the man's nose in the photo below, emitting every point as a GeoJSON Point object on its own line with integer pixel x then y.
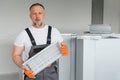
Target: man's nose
{"type": "Point", "coordinates": [37, 15]}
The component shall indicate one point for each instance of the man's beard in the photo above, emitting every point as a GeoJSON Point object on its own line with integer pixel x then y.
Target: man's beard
{"type": "Point", "coordinates": [37, 24]}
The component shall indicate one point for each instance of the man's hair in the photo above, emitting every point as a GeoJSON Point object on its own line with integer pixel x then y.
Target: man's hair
{"type": "Point", "coordinates": [37, 4]}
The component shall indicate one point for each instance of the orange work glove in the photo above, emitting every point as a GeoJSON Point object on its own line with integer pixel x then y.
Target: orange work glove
{"type": "Point", "coordinates": [29, 73]}
{"type": "Point", "coordinates": [64, 49]}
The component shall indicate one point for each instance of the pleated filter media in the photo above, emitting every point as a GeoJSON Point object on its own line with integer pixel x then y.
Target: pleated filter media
{"type": "Point", "coordinates": [42, 59]}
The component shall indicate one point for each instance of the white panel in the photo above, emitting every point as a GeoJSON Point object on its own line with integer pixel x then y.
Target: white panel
{"type": "Point", "coordinates": [107, 58]}
{"type": "Point", "coordinates": [98, 59]}
{"type": "Point", "coordinates": [67, 63]}
{"type": "Point", "coordinates": [85, 61]}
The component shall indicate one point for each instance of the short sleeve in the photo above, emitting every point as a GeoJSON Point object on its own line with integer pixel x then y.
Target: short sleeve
{"type": "Point", "coordinates": [57, 35]}
{"type": "Point", "coordinates": [20, 39]}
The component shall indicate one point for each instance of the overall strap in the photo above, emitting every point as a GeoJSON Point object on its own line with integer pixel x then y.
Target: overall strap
{"type": "Point", "coordinates": [49, 35]}
{"type": "Point", "coordinates": [30, 36]}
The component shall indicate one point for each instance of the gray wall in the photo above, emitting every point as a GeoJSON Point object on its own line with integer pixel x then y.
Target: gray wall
{"type": "Point", "coordinates": [69, 16]}
{"type": "Point", "coordinates": [112, 14]}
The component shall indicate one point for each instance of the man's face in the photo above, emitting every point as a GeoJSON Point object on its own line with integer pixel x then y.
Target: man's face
{"type": "Point", "coordinates": [37, 15]}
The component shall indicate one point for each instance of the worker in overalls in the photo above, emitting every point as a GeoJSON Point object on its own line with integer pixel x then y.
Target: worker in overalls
{"type": "Point", "coordinates": [34, 39]}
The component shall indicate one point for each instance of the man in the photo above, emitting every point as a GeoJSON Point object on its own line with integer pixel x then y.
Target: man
{"type": "Point", "coordinates": [38, 35]}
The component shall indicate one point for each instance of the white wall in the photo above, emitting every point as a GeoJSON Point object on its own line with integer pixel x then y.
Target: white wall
{"type": "Point", "coordinates": [112, 14]}
{"type": "Point", "coordinates": [69, 16]}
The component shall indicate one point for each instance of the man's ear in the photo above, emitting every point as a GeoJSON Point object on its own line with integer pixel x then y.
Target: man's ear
{"type": "Point", "coordinates": [44, 15]}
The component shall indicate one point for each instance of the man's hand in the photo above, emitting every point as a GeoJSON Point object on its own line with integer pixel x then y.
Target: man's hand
{"type": "Point", "coordinates": [64, 49]}
{"type": "Point", "coordinates": [29, 73]}
{"type": "Point", "coordinates": [49, 65]}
